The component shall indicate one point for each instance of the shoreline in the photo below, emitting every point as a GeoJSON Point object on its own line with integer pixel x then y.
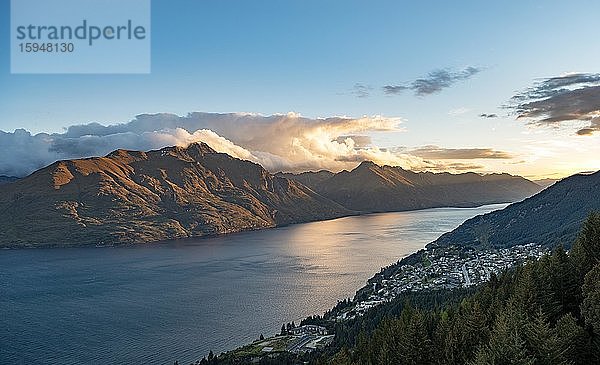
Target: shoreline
{"type": "Point", "coordinates": [217, 235]}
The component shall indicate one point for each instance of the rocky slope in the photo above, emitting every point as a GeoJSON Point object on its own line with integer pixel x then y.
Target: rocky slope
{"type": "Point", "coordinates": [373, 188]}
{"type": "Point", "coordinates": [552, 217]}
{"type": "Point", "coordinates": [131, 196]}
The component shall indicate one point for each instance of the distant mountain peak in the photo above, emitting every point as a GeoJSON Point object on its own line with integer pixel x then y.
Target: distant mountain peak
{"type": "Point", "coordinates": [200, 147]}
{"type": "Point", "coordinates": [366, 164]}
{"type": "Point", "coordinates": [193, 150]}
{"type": "Point", "coordinates": [366, 167]}
{"type": "Point", "coordinates": [370, 165]}
{"type": "Point", "coordinates": [126, 155]}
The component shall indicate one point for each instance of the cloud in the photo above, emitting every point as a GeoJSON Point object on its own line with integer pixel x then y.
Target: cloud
{"type": "Point", "coordinates": [484, 115]}
{"type": "Point", "coordinates": [555, 101]}
{"type": "Point", "coordinates": [23, 153]}
{"type": "Point", "coordinates": [359, 141]}
{"type": "Point", "coordinates": [434, 82]}
{"type": "Point", "coordinates": [454, 166]}
{"type": "Point", "coordinates": [594, 127]}
{"type": "Point", "coordinates": [361, 91]}
{"type": "Point", "coordinates": [281, 142]}
{"type": "Point", "coordinates": [287, 142]}
{"type": "Point", "coordinates": [439, 153]}
{"type": "Point", "coordinates": [394, 89]}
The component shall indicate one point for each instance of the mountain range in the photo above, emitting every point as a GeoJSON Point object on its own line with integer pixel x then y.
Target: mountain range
{"type": "Point", "coordinates": [551, 217]}
{"type": "Point", "coordinates": [373, 188]}
{"type": "Point", "coordinates": [131, 196]}
{"type": "Point", "coordinates": [176, 192]}
{"type": "Point", "coordinates": [545, 182]}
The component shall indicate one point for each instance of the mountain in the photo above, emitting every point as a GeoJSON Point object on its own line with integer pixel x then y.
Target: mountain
{"type": "Point", "coordinates": [373, 188]}
{"type": "Point", "coordinates": [551, 217]}
{"type": "Point", "coordinates": [7, 179]}
{"type": "Point", "coordinates": [546, 182]}
{"type": "Point", "coordinates": [309, 178]}
{"type": "Point", "coordinates": [131, 196]}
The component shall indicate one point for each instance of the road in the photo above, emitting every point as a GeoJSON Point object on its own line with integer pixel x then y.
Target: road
{"type": "Point", "coordinates": [296, 346]}
{"type": "Point", "coordinates": [466, 275]}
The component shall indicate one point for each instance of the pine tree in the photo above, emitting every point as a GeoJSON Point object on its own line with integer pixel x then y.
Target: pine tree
{"type": "Point", "coordinates": [586, 250]}
{"type": "Point", "coordinates": [342, 357]}
{"type": "Point", "coordinates": [543, 342]}
{"type": "Point", "coordinates": [526, 291]}
{"type": "Point", "coordinates": [506, 344]}
{"type": "Point", "coordinates": [564, 284]}
{"type": "Point", "coordinates": [476, 325]}
{"type": "Point", "coordinates": [590, 309]}
{"type": "Point", "coordinates": [441, 337]}
{"type": "Point", "coordinates": [572, 339]}
{"type": "Point", "coordinates": [363, 348]}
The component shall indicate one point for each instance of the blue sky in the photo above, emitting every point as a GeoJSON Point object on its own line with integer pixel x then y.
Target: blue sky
{"type": "Point", "coordinates": [307, 56]}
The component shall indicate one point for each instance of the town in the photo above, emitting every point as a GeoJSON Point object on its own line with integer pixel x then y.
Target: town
{"type": "Point", "coordinates": [440, 268]}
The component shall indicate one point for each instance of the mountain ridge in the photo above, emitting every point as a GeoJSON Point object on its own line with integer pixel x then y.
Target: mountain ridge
{"type": "Point", "coordinates": [7, 179]}
{"type": "Point", "coordinates": [373, 188]}
{"type": "Point", "coordinates": [550, 218]}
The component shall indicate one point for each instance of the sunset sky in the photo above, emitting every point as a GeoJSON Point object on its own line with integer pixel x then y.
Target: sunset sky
{"type": "Point", "coordinates": [508, 86]}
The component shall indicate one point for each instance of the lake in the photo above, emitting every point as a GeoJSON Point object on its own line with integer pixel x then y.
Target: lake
{"type": "Point", "coordinates": [154, 304]}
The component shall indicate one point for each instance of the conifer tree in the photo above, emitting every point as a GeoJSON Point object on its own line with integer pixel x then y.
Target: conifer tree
{"type": "Point", "coordinates": [590, 309]}
{"type": "Point", "coordinates": [586, 249]}
{"type": "Point", "coordinates": [543, 342]}
{"type": "Point", "coordinates": [572, 338]}
{"type": "Point", "coordinates": [507, 343]}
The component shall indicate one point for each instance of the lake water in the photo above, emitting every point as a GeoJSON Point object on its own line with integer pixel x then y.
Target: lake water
{"type": "Point", "coordinates": [154, 304]}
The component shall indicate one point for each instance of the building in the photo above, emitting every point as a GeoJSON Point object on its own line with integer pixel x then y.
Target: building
{"type": "Point", "coordinates": [308, 329]}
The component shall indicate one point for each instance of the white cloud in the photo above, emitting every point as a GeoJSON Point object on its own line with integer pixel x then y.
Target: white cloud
{"type": "Point", "coordinates": [278, 142]}
{"type": "Point", "coordinates": [281, 142]}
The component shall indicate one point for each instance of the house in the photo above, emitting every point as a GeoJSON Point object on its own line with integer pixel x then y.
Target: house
{"type": "Point", "coordinates": [309, 329]}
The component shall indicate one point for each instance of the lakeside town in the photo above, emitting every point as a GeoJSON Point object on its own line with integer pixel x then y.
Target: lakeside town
{"type": "Point", "coordinates": [440, 268]}
{"type": "Point", "coordinates": [434, 268]}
